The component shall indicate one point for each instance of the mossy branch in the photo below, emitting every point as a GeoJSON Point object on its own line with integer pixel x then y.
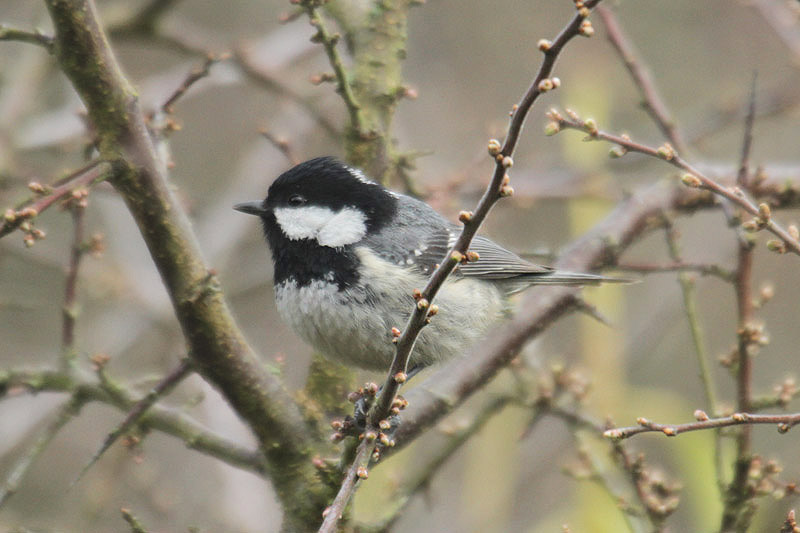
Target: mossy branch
{"type": "Point", "coordinates": [215, 343]}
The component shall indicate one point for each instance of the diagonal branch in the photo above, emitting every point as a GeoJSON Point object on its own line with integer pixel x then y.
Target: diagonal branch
{"type": "Point", "coordinates": [94, 172]}
{"type": "Point", "coordinates": [693, 178]}
{"type": "Point", "coordinates": [451, 384]}
{"type": "Point", "coordinates": [67, 412]}
{"type": "Point", "coordinates": [497, 189]}
{"type": "Point", "coordinates": [165, 386]}
{"type": "Point", "coordinates": [651, 100]}
{"type": "Point", "coordinates": [215, 342]}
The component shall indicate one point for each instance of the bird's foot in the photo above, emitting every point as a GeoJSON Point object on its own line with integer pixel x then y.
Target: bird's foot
{"type": "Point", "coordinates": [357, 425]}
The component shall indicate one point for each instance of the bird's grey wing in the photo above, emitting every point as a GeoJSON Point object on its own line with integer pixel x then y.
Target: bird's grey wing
{"type": "Point", "coordinates": [495, 262]}
{"type": "Point", "coordinates": [420, 237]}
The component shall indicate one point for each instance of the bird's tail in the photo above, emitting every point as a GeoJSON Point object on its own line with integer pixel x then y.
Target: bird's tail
{"type": "Point", "coordinates": [564, 277]}
{"type": "Point", "coordinates": [561, 277]}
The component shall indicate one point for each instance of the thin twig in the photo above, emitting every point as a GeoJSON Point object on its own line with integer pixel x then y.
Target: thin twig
{"type": "Point", "coordinates": [335, 511]}
{"type": "Point", "coordinates": [281, 144]}
{"type": "Point", "coordinates": [742, 177]}
{"type": "Point", "coordinates": [698, 340]}
{"type": "Point", "coordinates": [169, 422]}
{"type": "Point", "coordinates": [695, 178]}
{"type": "Point", "coordinates": [705, 269]}
{"type": "Point", "coordinates": [497, 188]}
{"type": "Point", "coordinates": [784, 422]}
{"type": "Point", "coordinates": [162, 388]}
{"type": "Point", "coordinates": [34, 37]}
{"type": "Point", "coordinates": [329, 41]}
{"type": "Point", "coordinates": [651, 100]}
{"type": "Point", "coordinates": [275, 85]}
{"type": "Point", "coordinates": [193, 77]}
{"type": "Point", "coordinates": [690, 304]}
{"type": "Point", "coordinates": [70, 309]}
{"type": "Point", "coordinates": [423, 475]}
{"type": "Point", "coordinates": [94, 172]}
{"type": "Point", "coordinates": [738, 499]}
{"type": "Point", "coordinates": [67, 412]}
{"type": "Point", "coordinates": [136, 526]}
{"type": "Point", "coordinates": [655, 507]}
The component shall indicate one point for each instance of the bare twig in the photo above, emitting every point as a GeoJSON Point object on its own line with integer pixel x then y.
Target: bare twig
{"type": "Point", "coordinates": [275, 85]}
{"type": "Point", "coordinates": [742, 178]}
{"type": "Point", "coordinates": [281, 144]}
{"type": "Point", "coordinates": [497, 188]}
{"type": "Point", "coordinates": [651, 100]}
{"type": "Point", "coordinates": [356, 471]}
{"type": "Point", "coordinates": [136, 526]}
{"type": "Point", "coordinates": [784, 422]}
{"type": "Point", "coordinates": [169, 382]}
{"type": "Point", "coordinates": [35, 37]}
{"type": "Point", "coordinates": [67, 412]}
{"type": "Point", "coordinates": [694, 178]}
{"type": "Point", "coordinates": [656, 504]}
{"type": "Point", "coordinates": [329, 41]}
{"type": "Point", "coordinates": [738, 505]}
{"type": "Point", "coordinates": [70, 309]}
{"type": "Point", "coordinates": [690, 304]}
{"type": "Point", "coordinates": [705, 269]}
{"type": "Point", "coordinates": [698, 340]}
{"type": "Point", "coordinates": [215, 342]}
{"type": "Point", "coordinates": [172, 423]}
{"type": "Point", "coordinates": [193, 77]}
{"type": "Point", "coordinates": [94, 172]}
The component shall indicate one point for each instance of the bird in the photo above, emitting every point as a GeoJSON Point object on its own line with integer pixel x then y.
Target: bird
{"type": "Point", "coordinates": [348, 254]}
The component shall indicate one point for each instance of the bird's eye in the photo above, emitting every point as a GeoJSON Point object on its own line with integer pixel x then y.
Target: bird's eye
{"type": "Point", "coordinates": [296, 200]}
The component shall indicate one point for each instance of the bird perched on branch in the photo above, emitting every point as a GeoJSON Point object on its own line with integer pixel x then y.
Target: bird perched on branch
{"type": "Point", "coordinates": [349, 253]}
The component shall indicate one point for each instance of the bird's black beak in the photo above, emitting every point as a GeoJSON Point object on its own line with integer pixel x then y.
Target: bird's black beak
{"type": "Point", "coordinates": [251, 208]}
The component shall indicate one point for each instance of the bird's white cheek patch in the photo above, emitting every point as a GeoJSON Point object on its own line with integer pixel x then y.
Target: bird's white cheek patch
{"type": "Point", "coordinates": [328, 227]}
{"type": "Point", "coordinates": [346, 227]}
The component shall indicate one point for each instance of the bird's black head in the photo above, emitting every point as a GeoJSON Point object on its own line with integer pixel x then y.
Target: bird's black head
{"type": "Point", "coordinates": [314, 213]}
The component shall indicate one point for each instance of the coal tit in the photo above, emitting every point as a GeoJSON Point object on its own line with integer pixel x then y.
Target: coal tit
{"type": "Point", "coordinates": [348, 254]}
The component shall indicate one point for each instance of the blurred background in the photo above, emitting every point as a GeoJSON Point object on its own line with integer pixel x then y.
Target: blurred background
{"type": "Point", "coordinates": [468, 61]}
